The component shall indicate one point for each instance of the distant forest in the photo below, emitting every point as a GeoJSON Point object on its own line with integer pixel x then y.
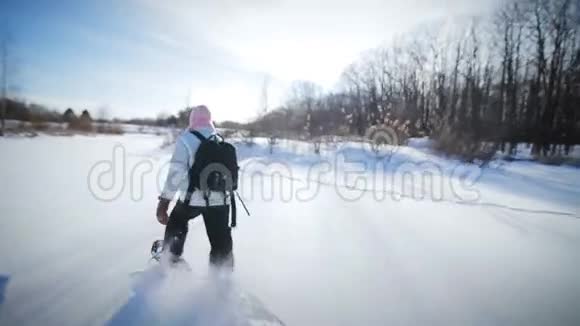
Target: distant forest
{"type": "Point", "coordinates": [20, 110]}
{"type": "Point", "coordinates": [511, 78]}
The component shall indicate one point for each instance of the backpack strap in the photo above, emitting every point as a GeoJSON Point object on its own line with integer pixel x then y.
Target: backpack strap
{"type": "Point", "coordinates": [190, 188]}
{"type": "Point", "coordinates": [233, 203]}
{"type": "Point", "coordinates": [219, 138]}
{"type": "Point", "coordinates": [198, 135]}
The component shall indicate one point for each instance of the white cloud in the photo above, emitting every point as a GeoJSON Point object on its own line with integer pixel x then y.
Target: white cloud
{"type": "Point", "coordinates": [220, 51]}
{"type": "Point", "coordinates": [302, 39]}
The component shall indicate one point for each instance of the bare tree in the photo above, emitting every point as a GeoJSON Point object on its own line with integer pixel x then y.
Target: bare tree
{"type": "Point", "coordinates": [264, 98]}
{"type": "Point", "coordinates": [3, 81]}
{"type": "Point", "coordinates": [304, 94]}
{"type": "Point", "coordinates": [103, 113]}
{"type": "Point", "coordinates": [272, 141]}
{"type": "Point", "coordinates": [501, 81]}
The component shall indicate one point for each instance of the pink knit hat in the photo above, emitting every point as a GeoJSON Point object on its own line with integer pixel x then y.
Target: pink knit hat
{"type": "Point", "coordinates": [200, 117]}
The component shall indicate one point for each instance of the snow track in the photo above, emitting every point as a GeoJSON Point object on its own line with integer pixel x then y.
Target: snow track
{"type": "Point", "coordinates": [510, 257]}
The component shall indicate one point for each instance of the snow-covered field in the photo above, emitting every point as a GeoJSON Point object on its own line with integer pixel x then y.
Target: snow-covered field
{"type": "Point", "coordinates": [342, 238]}
{"type": "Point", "coordinates": [12, 127]}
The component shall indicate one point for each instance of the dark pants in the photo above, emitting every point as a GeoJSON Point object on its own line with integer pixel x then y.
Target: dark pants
{"type": "Point", "coordinates": [216, 220]}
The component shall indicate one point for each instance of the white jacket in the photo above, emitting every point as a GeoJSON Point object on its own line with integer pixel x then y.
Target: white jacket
{"type": "Point", "coordinates": [177, 180]}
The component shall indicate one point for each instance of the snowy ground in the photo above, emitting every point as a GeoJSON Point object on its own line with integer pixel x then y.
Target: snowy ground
{"type": "Point", "coordinates": [479, 247]}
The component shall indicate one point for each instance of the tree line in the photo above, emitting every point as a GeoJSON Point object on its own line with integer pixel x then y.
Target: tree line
{"type": "Point", "coordinates": [487, 82]}
{"type": "Point", "coordinates": [20, 110]}
{"type": "Point", "coordinates": [32, 112]}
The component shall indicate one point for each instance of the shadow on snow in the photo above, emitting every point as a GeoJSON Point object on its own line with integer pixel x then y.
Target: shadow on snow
{"type": "Point", "coordinates": [3, 283]}
{"type": "Point", "coordinates": [170, 297]}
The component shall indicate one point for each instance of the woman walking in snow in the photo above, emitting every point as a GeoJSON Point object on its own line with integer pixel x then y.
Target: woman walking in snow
{"type": "Point", "coordinates": [213, 206]}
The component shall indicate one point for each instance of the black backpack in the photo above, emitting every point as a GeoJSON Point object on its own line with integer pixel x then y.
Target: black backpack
{"type": "Point", "coordinates": [215, 168]}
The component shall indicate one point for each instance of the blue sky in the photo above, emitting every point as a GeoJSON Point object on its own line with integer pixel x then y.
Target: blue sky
{"type": "Point", "coordinates": [140, 58]}
{"type": "Point", "coordinates": [95, 54]}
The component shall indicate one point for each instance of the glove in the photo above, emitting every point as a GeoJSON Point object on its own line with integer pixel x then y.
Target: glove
{"type": "Point", "coordinates": [162, 208]}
